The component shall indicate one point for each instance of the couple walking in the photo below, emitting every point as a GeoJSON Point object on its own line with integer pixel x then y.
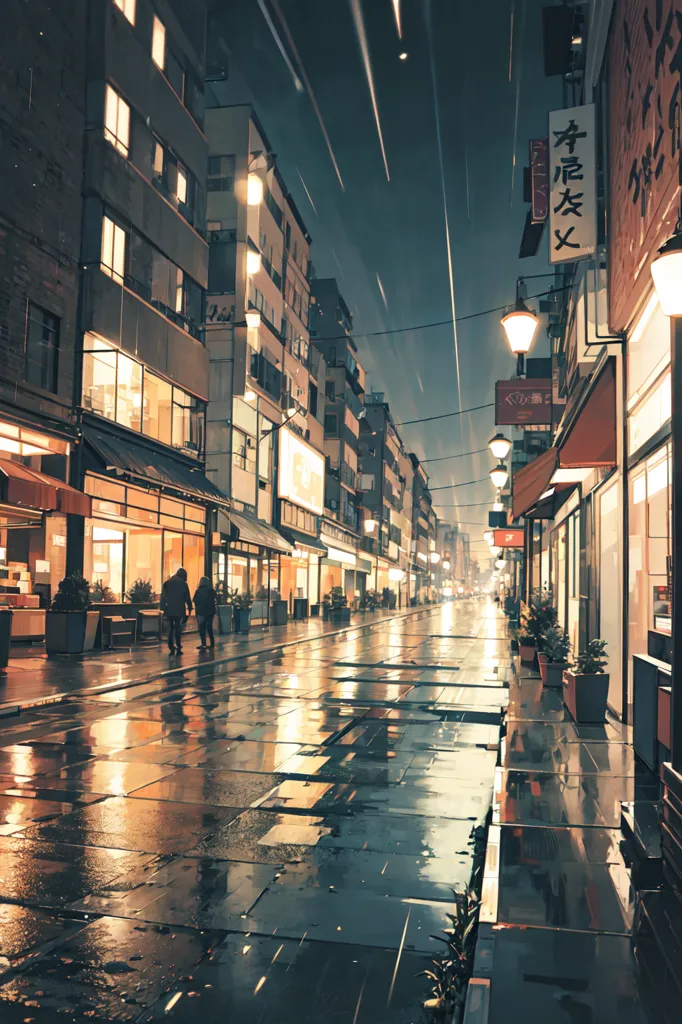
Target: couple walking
{"type": "Point", "coordinates": [176, 604]}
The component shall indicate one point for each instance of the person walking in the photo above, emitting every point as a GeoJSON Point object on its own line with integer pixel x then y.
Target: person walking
{"type": "Point", "coordinates": [205, 604]}
{"type": "Point", "coordinates": [176, 604]}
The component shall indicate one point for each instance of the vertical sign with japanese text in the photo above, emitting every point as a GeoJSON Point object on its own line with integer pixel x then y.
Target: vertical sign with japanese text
{"type": "Point", "coordinates": [645, 63]}
{"type": "Point", "coordinates": [539, 181]}
{"type": "Point", "coordinates": [572, 183]}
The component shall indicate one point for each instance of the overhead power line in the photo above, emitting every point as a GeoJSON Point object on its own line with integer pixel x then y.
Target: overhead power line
{"type": "Point", "coordinates": [445, 415]}
{"type": "Point", "coordinates": [465, 483]}
{"type": "Point", "coordinates": [460, 455]}
{"type": "Point", "coordinates": [444, 323]}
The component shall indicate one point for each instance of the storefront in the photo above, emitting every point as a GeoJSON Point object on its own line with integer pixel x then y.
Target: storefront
{"type": "Point", "coordinates": [299, 576]}
{"type": "Point", "coordinates": [151, 515]}
{"type": "Point", "coordinates": [34, 503]}
{"type": "Point", "coordinates": [300, 490]}
{"type": "Point", "coordinates": [342, 567]}
{"type": "Point", "coordinates": [246, 558]}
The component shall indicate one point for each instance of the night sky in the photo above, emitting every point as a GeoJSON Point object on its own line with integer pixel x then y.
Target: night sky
{"type": "Point", "coordinates": [393, 232]}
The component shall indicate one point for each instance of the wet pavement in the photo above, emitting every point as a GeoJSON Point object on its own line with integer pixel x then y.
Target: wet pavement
{"type": "Point", "coordinates": [272, 839]}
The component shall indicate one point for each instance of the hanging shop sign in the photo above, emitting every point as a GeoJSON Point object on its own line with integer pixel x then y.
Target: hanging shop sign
{"type": "Point", "coordinates": [519, 402]}
{"type": "Point", "coordinates": [645, 61]}
{"type": "Point", "coordinates": [497, 519]}
{"type": "Point", "coordinates": [508, 538]}
{"type": "Point", "coordinates": [573, 184]}
{"type": "Point", "coordinates": [539, 181]}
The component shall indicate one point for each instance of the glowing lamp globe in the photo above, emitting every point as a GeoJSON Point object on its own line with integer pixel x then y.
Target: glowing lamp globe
{"type": "Point", "coordinates": [252, 317]}
{"type": "Point", "coordinates": [499, 475]}
{"type": "Point", "coordinates": [253, 262]}
{"type": "Point", "coordinates": [520, 326]}
{"type": "Point", "coordinates": [499, 445]}
{"type": "Point", "coordinates": [666, 271]}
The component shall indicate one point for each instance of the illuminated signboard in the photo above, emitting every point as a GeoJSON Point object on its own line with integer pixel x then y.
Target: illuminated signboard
{"type": "Point", "coordinates": [508, 538]}
{"type": "Point", "coordinates": [300, 473]}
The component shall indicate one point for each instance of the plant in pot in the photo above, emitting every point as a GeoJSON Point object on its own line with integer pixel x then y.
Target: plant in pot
{"type": "Point", "coordinates": [141, 592]}
{"type": "Point", "coordinates": [225, 605]}
{"type": "Point", "coordinates": [372, 600]}
{"type": "Point", "coordinates": [100, 593]}
{"type": "Point", "coordinates": [242, 612]}
{"type": "Point", "coordinates": [70, 625]}
{"type": "Point", "coordinates": [553, 659]}
{"type": "Point", "coordinates": [586, 684]}
{"type": "Point", "coordinates": [535, 619]}
{"type": "Point", "coordinates": [326, 607]}
{"type": "Point", "coordinates": [339, 610]}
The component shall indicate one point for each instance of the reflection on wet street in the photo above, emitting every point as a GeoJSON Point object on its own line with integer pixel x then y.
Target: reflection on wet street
{"type": "Point", "coordinates": [274, 843]}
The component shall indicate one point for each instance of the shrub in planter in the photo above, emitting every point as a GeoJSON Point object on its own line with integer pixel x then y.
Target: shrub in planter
{"type": "Point", "coordinates": [372, 600]}
{"type": "Point", "coordinates": [101, 593]}
{"type": "Point", "coordinates": [553, 659]}
{"type": "Point", "coordinates": [224, 605]}
{"type": "Point", "coordinates": [242, 612]}
{"type": "Point", "coordinates": [70, 625]}
{"type": "Point", "coordinates": [526, 644]}
{"type": "Point", "coordinates": [538, 615]}
{"type": "Point", "coordinates": [586, 684]}
{"type": "Point", "coordinates": [141, 592]}
{"type": "Point", "coordinates": [338, 605]}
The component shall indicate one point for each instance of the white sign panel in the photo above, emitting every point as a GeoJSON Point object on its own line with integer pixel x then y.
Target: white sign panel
{"type": "Point", "coordinates": [573, 187]}
{"type": "Point", "coordinates": [300, 473]}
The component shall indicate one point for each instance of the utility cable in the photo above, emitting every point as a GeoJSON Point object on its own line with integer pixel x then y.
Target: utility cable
{"type": "Point", "coordinates": [465, 483]}
{"type": "Point", "coordinates": [445, 415]}
{"type": "Point", "coordinates": [461, 455]}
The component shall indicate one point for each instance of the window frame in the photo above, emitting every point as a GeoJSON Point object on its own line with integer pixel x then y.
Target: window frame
{"type": "Point", "coordinates": [158, 33]}
{"type": "Point", "coordinates": [127, 9]}
{"type": "Point", "coordinates": [113, 245]}
{"type": "Point", "coordinates": [114, 134]}
{"type": "Point", "coordinates": [49, 376]}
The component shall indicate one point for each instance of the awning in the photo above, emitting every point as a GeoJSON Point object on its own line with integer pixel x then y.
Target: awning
{"type": "Point", "coordinates": [303, 540]}
{"type": "Point", "coordinates": [31, 489]}
{"type": "Point", "coordinates": [586, 441]}
{"type": "Point", "coordinates": [253, 531]}
{"type": "Point", "coordinates": [142, 463]}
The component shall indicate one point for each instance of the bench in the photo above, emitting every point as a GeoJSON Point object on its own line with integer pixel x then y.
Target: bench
{"type": "Point", "coordinates": [149, 625]}
{"type": "Point", "coordinates": [117, 631]}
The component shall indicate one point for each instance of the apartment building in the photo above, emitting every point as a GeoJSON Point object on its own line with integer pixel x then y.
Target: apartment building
{"type": "Point", "coordinates": [424, 536]}
{"type": "Point", "coordinates": [385, 492]}
{"type": "Point", "coordinates": [265, 429]}
{"type": "Point", "coordinates": [344, 389]}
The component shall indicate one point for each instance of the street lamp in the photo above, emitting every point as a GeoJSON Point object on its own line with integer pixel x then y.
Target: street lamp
{"type": "Point", "coordinates": [499, 445]}
{"type": "Point", "coordinates": [499, 564]}
{"type": "Point", "coordinates": [499, 475]}
{"type": "Point", "coordinates": [253, 262]}
{"type": "Point", "coordinates": [446, 566]}
{"type": "Point", "coordinates": [498, 506]}
{"type": "Point", "coordinates": [666, 271]}
{"type": "Point", "coordinates": [435, 558]}
{"type": "Point", "coordinates": [520, 325]}
{"type": "Point", "coordinates": [370, 525]}
{"type": "Point", "coordinates": [252, 317]}
{"type": "Point", "coordinates": [254, 189]}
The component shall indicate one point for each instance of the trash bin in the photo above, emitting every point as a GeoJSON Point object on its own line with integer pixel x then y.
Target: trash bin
{"type": "Point", "coordinates": [300, 608]}
{"type": "Point", "coordinates": [5, 632]}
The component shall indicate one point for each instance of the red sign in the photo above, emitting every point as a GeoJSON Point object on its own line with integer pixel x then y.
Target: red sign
{"type": "Point", "coordinates": [523, 401]}
{"type": "Point", "coordinates": [539, 181]}
{"type": "Point", "coordinates": [645, 60]}
{"type": "Point", "coordinates": [508, 538]}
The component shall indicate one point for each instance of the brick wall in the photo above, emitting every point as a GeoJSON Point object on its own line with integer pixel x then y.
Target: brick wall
{"type": "Point", "coordinates": [42, 110]}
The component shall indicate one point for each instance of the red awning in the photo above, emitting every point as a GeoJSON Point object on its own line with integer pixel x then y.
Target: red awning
{"type": "Point", "coordinates": [31, 489]}
{"type": "Point", "coordinates": [587, 440]}
{"type": "Point", "coordinates": [589, 437]}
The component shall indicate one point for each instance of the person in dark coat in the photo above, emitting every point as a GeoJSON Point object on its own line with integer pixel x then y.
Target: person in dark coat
{"type": "Point", "coordinates": [176, 604]}
{"type": "Point", "coordinates": [205, 603]}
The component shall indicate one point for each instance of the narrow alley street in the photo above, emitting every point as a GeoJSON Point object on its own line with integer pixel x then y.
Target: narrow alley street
{"type": "Point", "coordinates": [280, 841]}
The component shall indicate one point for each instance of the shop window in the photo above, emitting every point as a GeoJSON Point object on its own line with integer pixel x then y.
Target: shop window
{"type": "Point", "coordinates": [42, 347]}
{"type": "Point", "coordinates": [129, 392]}
{"type": "Point", "coordinates": [113, 254]}
{"type": "Point", "coordinates": [104, 557]}
{"type": "Point", "coordinates": [172, 553]}
{"type": "Point", "coordinates": [143, 556]}
{"type": "Point", "coordinates": [99, 378]}
{"type": "Point", "coordinates": [116, 121]}
{"type": "Point", "coordinates": [159, 43]}
{"type": "Point", "coordinates": [648, 350]}
{"type": "Point", "coordinates": [651, 414]}
{"type": "Point", "coordinates": [128, 8]}
{"type": "Point", "coordinates": [193, 559]}
{"type": "Point", "coordinates": [157, 408]}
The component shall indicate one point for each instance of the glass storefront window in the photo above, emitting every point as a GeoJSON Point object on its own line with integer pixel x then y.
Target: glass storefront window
{"type": "Point", "coordinates": [104, 557]}
{"type": "Point", "coordinates": [172, 553]}
{"type": "Point", "coordinates": [99, 379]}
{"type": "Point", "coordinates": [143, 557]}
{"type": "Point", "coordinates": [158, 400]}
{"type": "Point", "coordinates": [129, 392]}
{"type": "Point", "coordinates": [650, 415]}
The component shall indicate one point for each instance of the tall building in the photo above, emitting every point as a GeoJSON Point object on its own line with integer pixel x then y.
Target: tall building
{"type": "Point", "coordinates": [424, 535]}
{"type": "Point", "coordinates": [265, 426]}
{"type": "Point", "coordinates": [145, 369]}
{"type": "Point", "coordinates": [385, 486]}
{"type": "Point", "coordinates": [344, 389]}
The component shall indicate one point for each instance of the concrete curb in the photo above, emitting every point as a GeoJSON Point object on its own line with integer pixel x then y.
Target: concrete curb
{"type": "Point", "coordinates": [11, 709]}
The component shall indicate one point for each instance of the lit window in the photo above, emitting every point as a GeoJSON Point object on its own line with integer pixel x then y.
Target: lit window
{"type": "Point", "coordinates": [113, 249]}
{"type": "Point", "coordinates": [116, 121]}
{"type": "Point", "coordinates": [179, 290]}
{"type": "Point", "coordinates": [158, 158]}
{"type": "Point", "coordinates": [128, 392]}
{"type": "Point", "coordinates": [128, 8]}
{"type": "Point", "coordinates": [159, 43]}
{"type": "Point", "coordinates": [181, 190]}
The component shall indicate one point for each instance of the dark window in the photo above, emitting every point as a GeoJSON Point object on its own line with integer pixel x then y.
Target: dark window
{"type": "Point", "coordinates": [220, 174]}
{"type": "Point", "coordinates": [42, 347]}
{"type": "Point", "coordinates": [312, 391]}
{"type": "Point", "coordinates": [175, 73]}
{"type": "Point", "coordinates": [330, 424]}
{"type": "Point", "coordinates": [329, 390]}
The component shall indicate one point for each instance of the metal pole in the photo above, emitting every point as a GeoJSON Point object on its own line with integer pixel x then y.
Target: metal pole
{"type": "Point", "coordinates": [676, 529]}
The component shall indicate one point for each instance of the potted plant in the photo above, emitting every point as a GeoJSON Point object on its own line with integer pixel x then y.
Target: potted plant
{"type": "Point", "coordinates": [225, 605]}
{"type": "Point", "coordinates": [535, 619]}
{"type": "Point", "coordinates": [339, 610]}
{"type": "Point", "coordinates": [372, 600]}
{"type": "Point", "coordinates": [586, 684]}
{"type": "Point", "coordinates": [141, 592]}
{"type": "Point", "coordinates": [70, 625]}
{"type": "Point", "coordinates": [100, 593]}
{"type": "Point", "coordinates": [326, 607]}
{"type": "Point", "coordinates": [526, 642]}
{"type": "Point", "coordinates": [553, 659]}
{"type": "Point", "coordinates": [242, 612]}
